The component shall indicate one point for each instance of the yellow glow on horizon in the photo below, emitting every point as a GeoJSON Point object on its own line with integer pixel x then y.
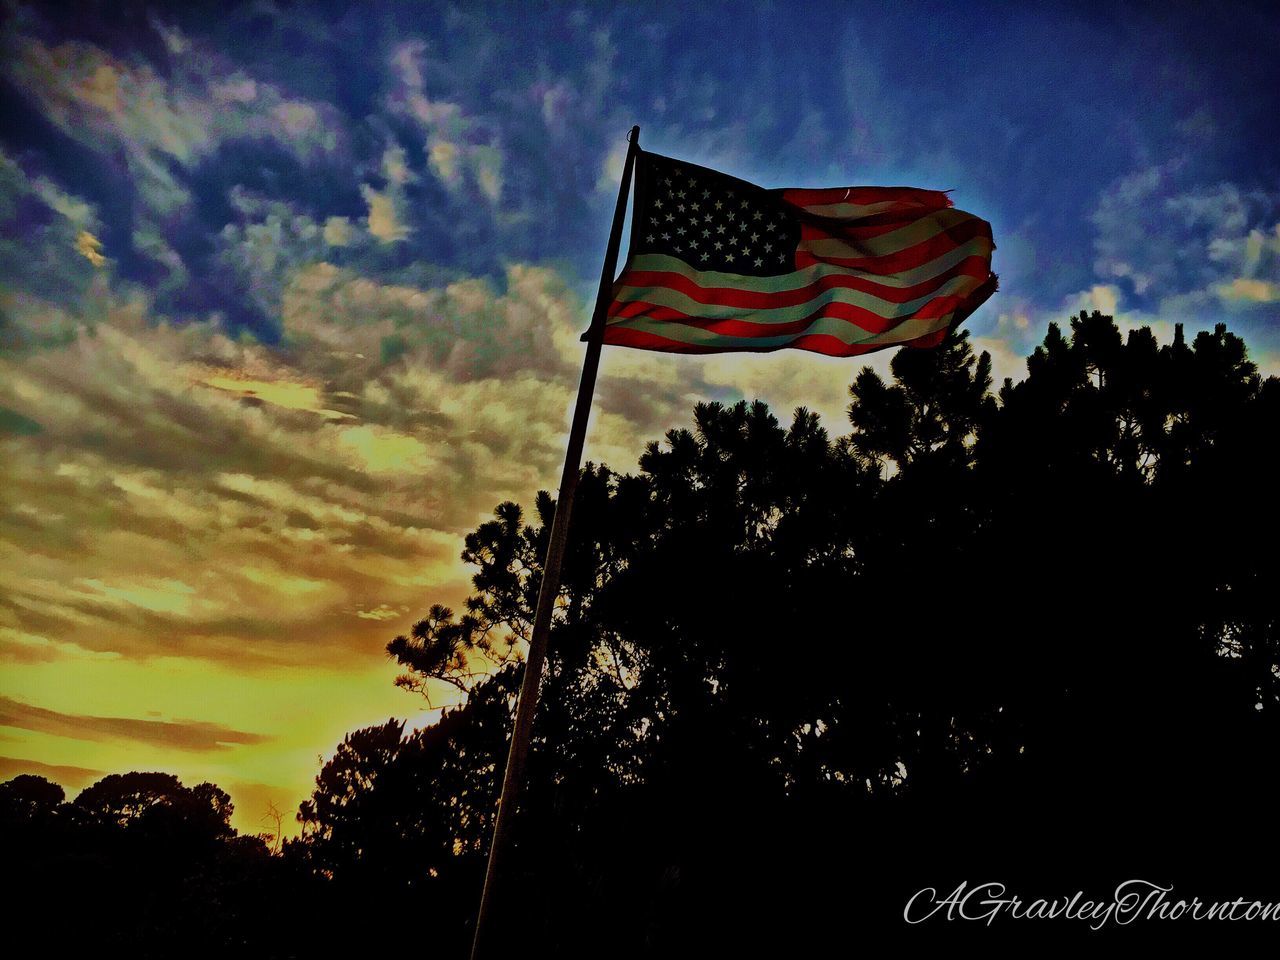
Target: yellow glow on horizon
{"type": "Point", "coordinates": [287, 704]}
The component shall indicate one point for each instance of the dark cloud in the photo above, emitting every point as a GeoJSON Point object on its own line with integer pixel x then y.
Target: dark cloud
{"type": "Point", "coordinates": [193, 735]}
{"type": "Point", "coordinates": [68, 776]}
{"type": "Point", "coordinates": [14, 423]}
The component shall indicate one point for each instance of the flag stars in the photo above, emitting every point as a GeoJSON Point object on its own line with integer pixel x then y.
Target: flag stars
{"type": "Point", "coordinates": [699, 221]}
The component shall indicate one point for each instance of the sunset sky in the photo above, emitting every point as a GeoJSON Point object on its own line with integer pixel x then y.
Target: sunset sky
{"type": "Point", "coordinates": [290, 298]}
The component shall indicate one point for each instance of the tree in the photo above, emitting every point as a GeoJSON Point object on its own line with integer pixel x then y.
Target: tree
{"type": "Point", "coordinates": [159, 804]}
{"type": "Point", "coordinates": [27, 797]}
{"type": "Point", "coordinates": [772, 647]}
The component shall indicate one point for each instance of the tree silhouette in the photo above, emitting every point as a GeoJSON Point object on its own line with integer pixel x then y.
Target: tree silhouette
{"type": "Point", "coordinates": [141, 864]}
{"type": "Point", "coordinates": [793, 678]}
{"type": "Point", "coordinates": [971, 606]}
{"type": "Point", "coordinates": [28, 797]}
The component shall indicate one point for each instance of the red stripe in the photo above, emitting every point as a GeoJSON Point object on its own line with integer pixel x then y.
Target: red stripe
{"type": "Point", "coordinates": [909, 197]}
{"type": "Point", "coordinates": [975, 266]}
{"type": "Point", "coordinates": [827, 228]}
{"type": "Point", "coordinates": [815, 342]}
{"type": "Point", "coordinates": [733, 327]}
{"type": "Point", "coordinates": [906, 259]}
{"type": "Point", "coordinates": [870, 227]}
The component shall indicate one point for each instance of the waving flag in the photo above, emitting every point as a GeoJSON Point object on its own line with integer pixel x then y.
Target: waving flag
{"type": "Point", "coordinates": [718, 264]}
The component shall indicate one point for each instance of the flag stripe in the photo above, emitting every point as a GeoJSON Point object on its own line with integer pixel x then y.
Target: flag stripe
{"type": "Point", "coordinates": [899, 198]}
{"type": "Point", "coordinates": [857, 242]}
{"type": "Point", "coordinates": [828, 328]}
{"type": "Point", "coordinates": [815, 343]}
{"type": "Point", "coordinates": [846, 301]}
{"type": "Point", "coordinates": [776, 322]}
{"type": "Point", "coordinates": [875, 225]}
{"type": "Point", "coordinates": [810, 278]}
{"type": "Point", "coordinates": [841, 253]}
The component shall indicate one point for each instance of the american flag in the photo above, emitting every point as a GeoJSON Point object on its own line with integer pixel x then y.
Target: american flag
{"type": "Point", "coordinates": [719, 264]}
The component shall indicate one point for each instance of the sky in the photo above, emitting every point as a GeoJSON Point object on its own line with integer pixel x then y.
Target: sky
{"type": "Point", "coordinates": [290, 297]}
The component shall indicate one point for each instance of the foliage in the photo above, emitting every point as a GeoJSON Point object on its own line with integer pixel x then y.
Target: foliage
{"type": "Point", "coordinates": [970, 606]}
{"type": "Point", "coordinates": [796, 677]}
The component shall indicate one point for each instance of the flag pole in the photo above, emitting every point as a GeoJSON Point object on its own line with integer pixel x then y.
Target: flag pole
{"type": "Point", "coordinates": [513, 778]}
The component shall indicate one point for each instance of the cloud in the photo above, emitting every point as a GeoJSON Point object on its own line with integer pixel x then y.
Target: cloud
{"type": "Point", "coordinates": [1249, 290]}
{"type": "Point", "coordinates": [90, 247]}
{"type": "Point", "coordinates": [119, 150]}
{"type": "Point", "coordinates": [1168, 250]}
{"type": "Point", "coordinates": [1181, 246]}
{"type": "Point", "coordinates": [190, 735]}
{"type": "Point", "coordinates": [454, 141]}
{"type": "Point", "coordinates": [338, 232]}
{"type": "Point", "coordinates": [174, 490]}
{"type": "Point", "coordinates": [64, 774]}
{"type": "Point", "coordinates": [383, 220]}
{"type": "Point", "coordinates": [48, 251]}
{"type": "Point", "coordinates": [178, 108]}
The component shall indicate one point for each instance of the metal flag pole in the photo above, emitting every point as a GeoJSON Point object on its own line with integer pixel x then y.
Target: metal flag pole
{"type": "Point", "coordinates": [513, 779]}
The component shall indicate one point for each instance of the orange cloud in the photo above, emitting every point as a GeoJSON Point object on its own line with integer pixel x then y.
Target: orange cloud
{"type": "Point", "coordinates": [176, 734]}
